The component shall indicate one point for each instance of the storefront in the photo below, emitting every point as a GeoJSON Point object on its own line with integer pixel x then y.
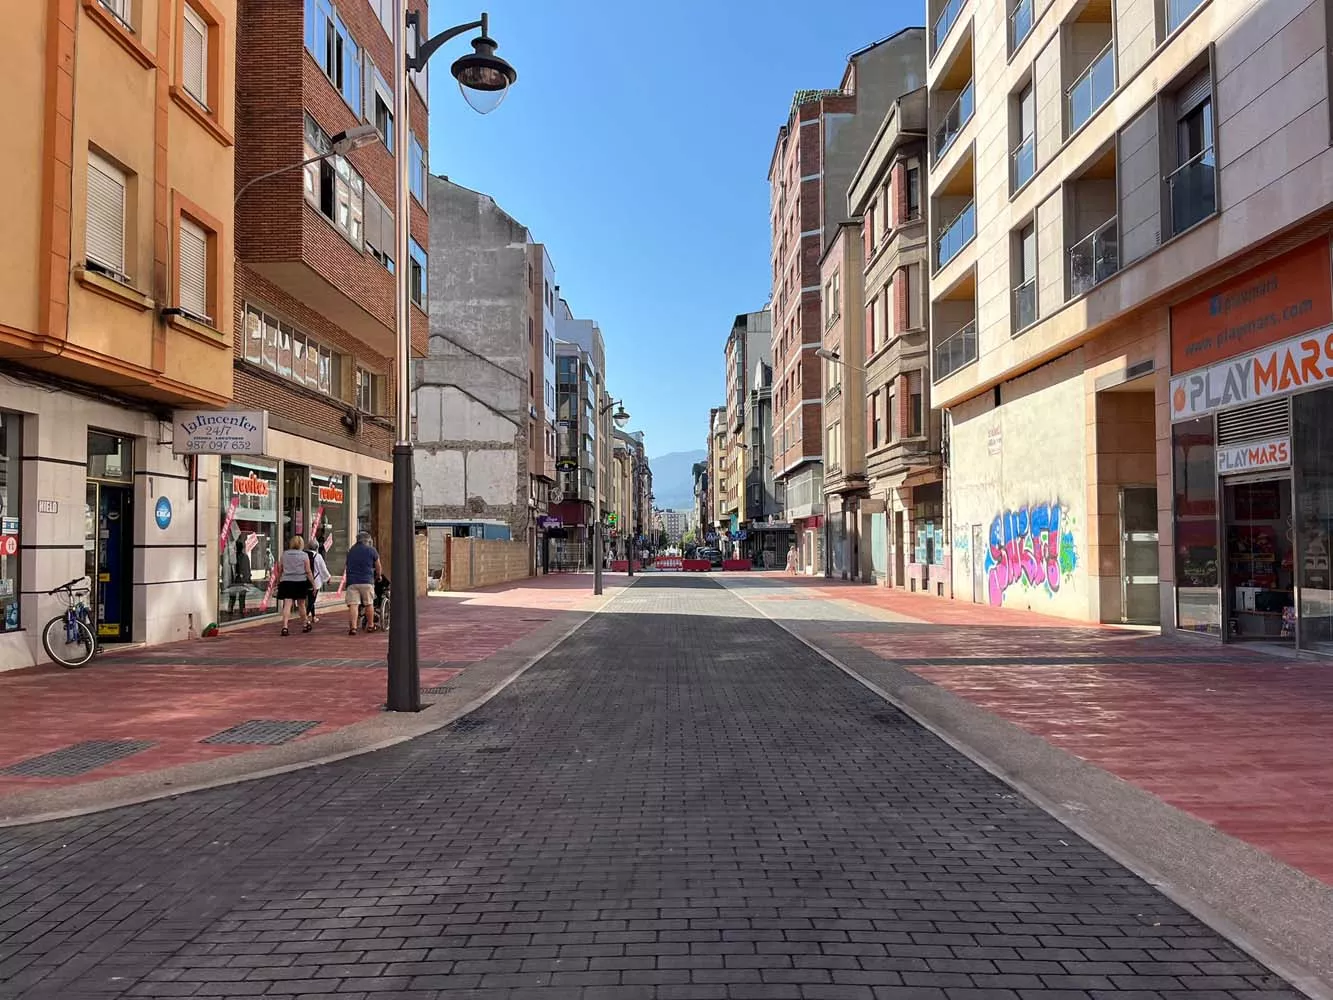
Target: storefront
{"type": "Point", "coordinates": [11, 506]}
{"type": "Point", "coordinates": [324, 494]}
{"type": "Point", "coordinates": [1252, 454]}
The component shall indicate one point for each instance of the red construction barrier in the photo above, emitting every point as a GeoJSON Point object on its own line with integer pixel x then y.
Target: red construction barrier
{"type": "Point", "coordinates": [736, 564]}
{"type": "Point", "coordinates": [667, 563]}
{"type": "Point", "coordinates": [622, 566]}
{"type": "Point", "coordinates": [696, 565]}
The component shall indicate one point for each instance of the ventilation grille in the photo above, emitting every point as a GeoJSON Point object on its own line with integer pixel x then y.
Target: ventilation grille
{"type": "Point", "coordinates": [1269, 419]}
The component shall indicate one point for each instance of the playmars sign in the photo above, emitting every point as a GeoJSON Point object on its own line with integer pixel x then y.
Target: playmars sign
{"type": "Point", "coordinates": [1303, 362]}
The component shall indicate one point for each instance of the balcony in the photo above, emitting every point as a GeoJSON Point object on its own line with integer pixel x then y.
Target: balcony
{"type": "Point", "coordinates": [945, 21]}
{"type": "Point", "coordinates": [960, 231]}
{"type": "Point", "coordinates": [1177, 11]}
{"type": "Point", "coordinates": [1094, 258]}
{"type": "Point", "coordinates": [955, 351]}
{"type": "Point", "coordinates": [1192, 191]}
{"type": "Point", "coordinates": [1024, 159]}
{"type": "Point", "coordinates": [1092, 89]}
{"type": "Point", "coordinates": [1025, 305]}
{"type": "Point", "coordinates": [958, 115]}
{"type": "Point", "coordinates": [1020, 23]}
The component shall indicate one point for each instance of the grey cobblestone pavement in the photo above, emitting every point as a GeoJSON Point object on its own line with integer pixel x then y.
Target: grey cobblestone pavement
{"type": "Point", "coordinates": [680, 801]}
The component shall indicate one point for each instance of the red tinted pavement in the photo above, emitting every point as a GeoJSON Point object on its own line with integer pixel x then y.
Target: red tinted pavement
{"type": "Point", "coordinates": [1236, 736]}
{"type": "Point", "coordinates": [176, 695]}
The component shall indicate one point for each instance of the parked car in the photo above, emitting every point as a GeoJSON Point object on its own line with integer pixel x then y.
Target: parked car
{"type": "Point", "coordinates": [714, 556]}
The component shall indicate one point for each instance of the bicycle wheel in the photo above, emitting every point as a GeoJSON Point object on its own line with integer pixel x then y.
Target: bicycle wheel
{"type": "Point", "coordinates": [55, 640]}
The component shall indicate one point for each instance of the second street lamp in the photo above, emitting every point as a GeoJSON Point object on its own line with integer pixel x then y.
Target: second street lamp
{"type": "Point", "coordinates": [621, 417]}
{"type": "Point", "coordinates": [482, 72]}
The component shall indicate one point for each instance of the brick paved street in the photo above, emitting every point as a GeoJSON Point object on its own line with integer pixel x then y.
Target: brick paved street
{"type": "Point", "coordinates": [682, 800]}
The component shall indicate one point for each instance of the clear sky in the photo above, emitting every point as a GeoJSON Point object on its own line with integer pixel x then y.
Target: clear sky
{"type": "Point", "coordinates": [635, 145]}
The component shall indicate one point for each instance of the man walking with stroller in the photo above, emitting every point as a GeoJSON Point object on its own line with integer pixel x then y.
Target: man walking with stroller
{"type": "Point", "coordinates": [363, 572]}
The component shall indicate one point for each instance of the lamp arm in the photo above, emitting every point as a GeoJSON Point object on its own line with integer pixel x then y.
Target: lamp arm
{"type": "Point", "coordinates": [416, 63]}
{"type": "Point", "coordinates": [281, 170]}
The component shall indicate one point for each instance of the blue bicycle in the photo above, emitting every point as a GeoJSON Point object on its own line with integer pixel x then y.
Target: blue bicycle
{"type": "Point", "coordinates": [69, 638]}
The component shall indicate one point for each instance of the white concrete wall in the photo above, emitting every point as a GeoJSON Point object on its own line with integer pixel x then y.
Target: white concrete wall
{"type": "Point", "coordinates": [1016, 466]}
{"type": "Point", "coordinates": [174, 568]}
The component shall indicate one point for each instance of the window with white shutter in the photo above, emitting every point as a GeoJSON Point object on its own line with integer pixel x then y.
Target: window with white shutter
{"type": "Point", "coordinates": [192, 277]}
{"type": "Point", "coordinates": [105, 243]}
{"type": "Point", "coordinates": [194, 55]}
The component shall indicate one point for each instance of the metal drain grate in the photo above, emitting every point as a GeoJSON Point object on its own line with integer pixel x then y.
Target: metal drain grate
{"type": "Point", "coordinates": [77, 759]}
{"type": "Point", "coordinates": [468, 725]}
{"type": "Point", "coordinates": [268, 732]}
{"type": "Point", "coordinates": [439, 689]}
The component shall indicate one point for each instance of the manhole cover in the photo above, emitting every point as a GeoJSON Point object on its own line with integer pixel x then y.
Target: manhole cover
{"type": "Point", "coordinates": [890, 718]}
{"type": "Point", "coordinates": [441, 689]}
{"type": "Point", "coordinates": [77, 759]}
{"type": "Point", "coordinates": [467, 725]}
{"type": "Point", "coordinates": [494, 749]}
{"type": "Point", "coordinates": [268, 732]}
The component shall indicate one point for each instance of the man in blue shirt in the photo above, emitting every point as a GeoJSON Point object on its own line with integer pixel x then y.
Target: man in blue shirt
{"type": "Point", "coordinates": [363, 569]}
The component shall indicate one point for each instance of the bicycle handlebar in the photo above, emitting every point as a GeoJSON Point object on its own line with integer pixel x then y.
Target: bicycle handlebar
{"type": "Point", "coordinates": [67, 586]}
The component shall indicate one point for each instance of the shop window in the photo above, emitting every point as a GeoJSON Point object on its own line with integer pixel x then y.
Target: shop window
{"type": "Point", "coordinates": [1312, 451]}
{"type": "Point", "coordinates": [328, 519]}
{"type": "Point", "coordinates": [249, 539]}
{"type": "Point", "coordinates": [1194, 468]}
{"type": "Point", "coordinates": [11, 497]}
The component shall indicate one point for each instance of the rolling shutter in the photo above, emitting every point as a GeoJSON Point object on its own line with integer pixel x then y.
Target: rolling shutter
{"type": "Point", "coordinates": [105, 242]}
{"type": "Point", "coordinates": [192, 250]}
{"type": "Point", "coordinates": [194, 56]}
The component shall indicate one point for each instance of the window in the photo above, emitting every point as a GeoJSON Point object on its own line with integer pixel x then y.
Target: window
{"type": "Point", "coordinates": [1025, 151]}
{"type": "Point", "coordinates": [1192, 185]}
{"type": "Point", "coordinates": [891, 417]}
{"type": "Point", "coordinates": [105, 239]}
{"type": "Point", "coordinates": [529, 329]}
{"type": "Point", "coordinates": [913, 192]}
{"type": "Point", "coordinates": [11, 507]}
{"type": "Point", "coordinates": [417, 274]}
{"type": "Point", "coordinates": [121, 10]}
{"type": "Point", "coordinates": [1025, 278]}
{"type": "Point", "coordinates": [379, 105]}
{"type": "Point", "coordinates": [379, 230]}
{"type": "Point", "coordinates": [834, 456]}
{"type": "Point", "coordinates": [915, 413]}
{"type": "Point", "coordinates": [873, 336]}
{"type": "Point", "coordinates": [333, 186]}
{"type": "Point", "coordinates": [194, 55]}
{"type": "Point", "coordinates": [876, 419]}
{"type": "Point", "coordinates": [369, 391]}
{"type": "Point", "coordinates": [417, 170]}
{"type": "Point", "coordinates": [308, 362]}
{"type": "Point", "coordinates": [384, 11]}
{"type": "Point", "coordinates": [872, 233]}
{"type": "Point", "coordinates": [192, 270]}
{"type": "Point", "coordinates": [334, 50]}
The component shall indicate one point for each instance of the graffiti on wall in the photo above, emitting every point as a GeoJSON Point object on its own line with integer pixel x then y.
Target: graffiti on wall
{"type": "Point", "coordinates": [1033, 548]}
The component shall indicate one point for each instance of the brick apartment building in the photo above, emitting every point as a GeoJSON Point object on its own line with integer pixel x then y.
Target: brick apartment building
{"type": "Point", "coordinates": [314, 287]}
{"type": "Point", "coordinates": [817, 151]}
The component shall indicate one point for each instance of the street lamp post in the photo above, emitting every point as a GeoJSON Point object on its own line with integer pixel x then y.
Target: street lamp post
{"type": "Point", "coordinates": [484, 79]}
{"type": "Point", "coordinates": [621, 418]}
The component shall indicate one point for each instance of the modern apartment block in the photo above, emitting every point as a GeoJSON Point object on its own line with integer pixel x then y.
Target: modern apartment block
{"type": "Point", "coordinates": [115, 310]}
{"type": "Point", "coordinates": [314, 290]}
{"type": "Point", "coordinates": [751, 510]}
{"type": "Point", "coordinates": [1130, 306]}
{"type": "Point", "coordinates": [483, 426]}
{"type": "Point", "coordinates": [583, 435]}
{"type": "Point", "coordinates": [629, 498]}
{"type": "Point", "coordinates": [818, 149]}
{"type": "Point", "coordinates": [888, 439]}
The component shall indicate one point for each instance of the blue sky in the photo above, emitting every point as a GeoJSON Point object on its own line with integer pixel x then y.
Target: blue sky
{"type": "Point", "coordinates": [636, 146]}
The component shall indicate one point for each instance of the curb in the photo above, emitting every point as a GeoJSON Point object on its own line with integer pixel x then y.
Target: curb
{"type": "Point", "coordinates": [1280, 916]}
{"type": "Point", "coordinates": [478, 683]}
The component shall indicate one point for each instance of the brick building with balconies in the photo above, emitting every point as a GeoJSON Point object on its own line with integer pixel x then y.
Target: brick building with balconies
{"type": "Point", "coordinates": [314, 290]}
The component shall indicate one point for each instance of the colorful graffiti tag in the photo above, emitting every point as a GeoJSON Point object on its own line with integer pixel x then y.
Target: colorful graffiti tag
{"type": "Point", "coordinates": [1032, 547]}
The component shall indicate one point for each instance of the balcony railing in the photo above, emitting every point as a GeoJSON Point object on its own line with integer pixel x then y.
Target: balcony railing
{"type": "Point", "coordinates": [1091, 90]}
{"type": "Point", "coordinates": [1193, 191]}
{"type": "Point", "coordinates": [956, 235]}
{"type": "Point", "coordinates": [1177, 11]}
{"type": "Point", "coordinates": [1094, 258]}
{"type": "Point", "coordinates": [1025, 304]}
{"type": "Point", "coordinates": [1024, 158]}
{"type": "Point", "coordinates": [1020, 23]}
{"type": "Point", "coordinates": [955, 351]}
{"type": "Point", "coordinates": [945, 21]}
{"type": "Point", "coordinates": [958, 115]}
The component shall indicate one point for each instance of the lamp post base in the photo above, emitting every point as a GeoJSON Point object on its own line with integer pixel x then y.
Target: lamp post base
{"type": "Point", "coordinates": [404, 668]}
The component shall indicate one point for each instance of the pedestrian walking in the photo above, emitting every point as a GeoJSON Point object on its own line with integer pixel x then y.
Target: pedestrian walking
{"type": "Point", "coordinates": [791, 561]}
{"type": "Point", "coordinates": [363, 571]}
{"type": "Point", "coordinates": [322, 576]}
{"type": "Point", "coordinates": [296, 581]}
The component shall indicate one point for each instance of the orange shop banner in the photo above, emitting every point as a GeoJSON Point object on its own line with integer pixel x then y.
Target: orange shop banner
{"type": "Point", "coordinates": [1303, 362]}
{"type": "Point", "coordinates": [1288, 295]}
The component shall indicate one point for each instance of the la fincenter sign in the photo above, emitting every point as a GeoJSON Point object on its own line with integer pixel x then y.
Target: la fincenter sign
{"type": "Point", "coordinates": [220, 432]}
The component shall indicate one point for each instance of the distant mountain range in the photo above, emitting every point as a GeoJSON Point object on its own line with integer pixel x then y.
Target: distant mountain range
{"type": "Point", "coordinates": [673, 478]}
